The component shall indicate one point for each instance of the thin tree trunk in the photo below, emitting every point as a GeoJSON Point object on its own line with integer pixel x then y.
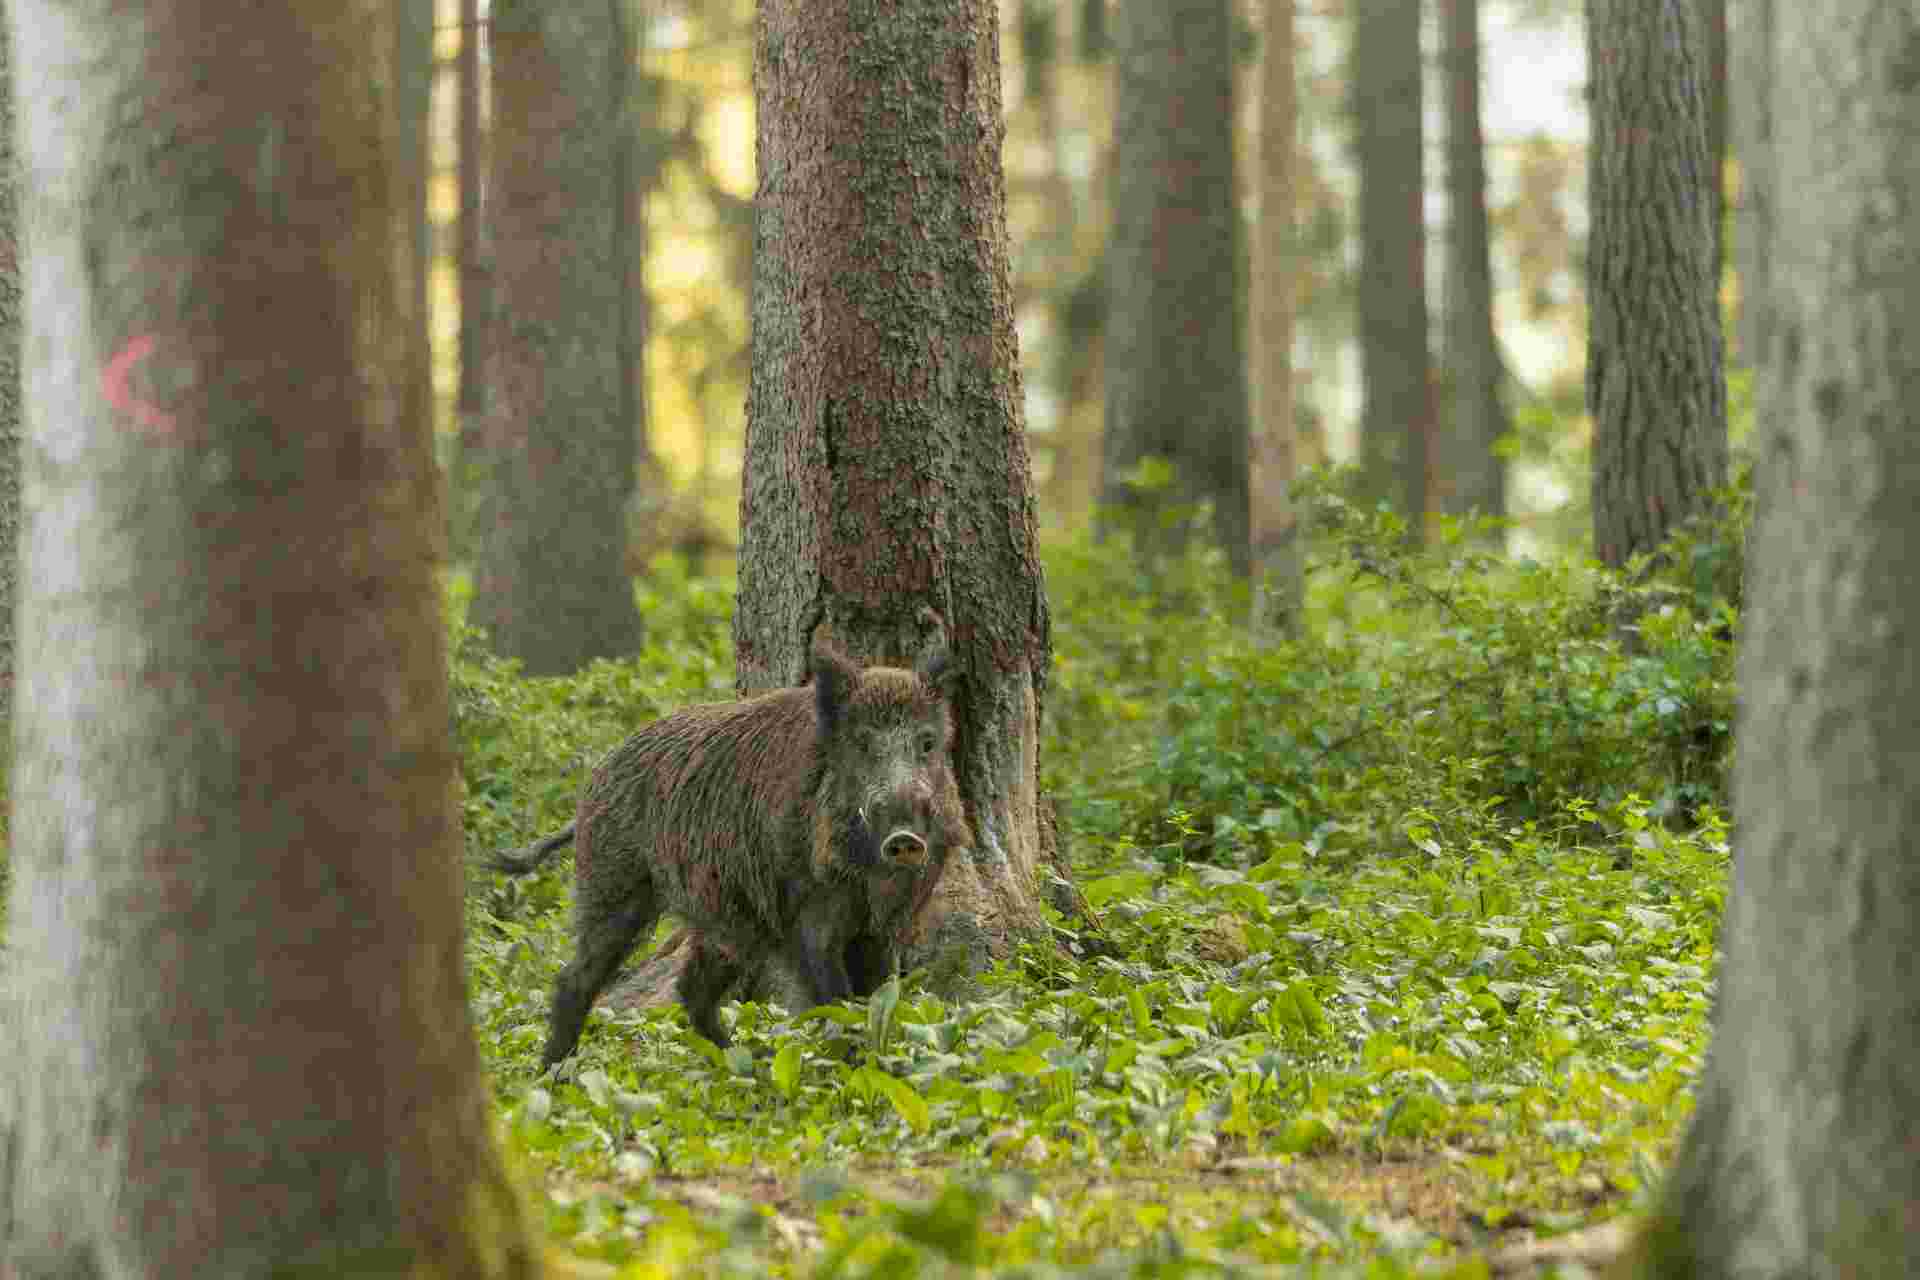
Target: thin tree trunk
{"type": "Point", "coordinates": [1476, 474]}
{"type": "Point", "coordinates": [886, 471]}
{"type": "Point", "coordinates": [1274, 454]}
{"type": "Point", "coordinates": [1804, 1154]}
{"type": "Point", "coordinates": [238, 1040]}
{"type": "Point", "coordinates": [1655, 384]}
{"type": "Point", "coordinates": [1175, 348]}
{"type": "Point", "coordinates": [1397, 425]}
{"type": "Point", "coordinates": [472, 263]}
{"type": "Point", "coordinates": [1714, 94]}
{"type": "Point", "coordinates": [9, 369]}
{"type": "Point", "coordinates": [557, 463]}
{"type": "Point", "coordinates": [464, 473]}
{"type": "Point", "coordinates": [1750, 42]}
{"type": "Point", "coordinates": [413, 108]}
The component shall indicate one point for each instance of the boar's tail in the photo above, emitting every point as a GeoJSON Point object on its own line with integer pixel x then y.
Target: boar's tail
{"type": "Point", "coordinates": [521, 861]}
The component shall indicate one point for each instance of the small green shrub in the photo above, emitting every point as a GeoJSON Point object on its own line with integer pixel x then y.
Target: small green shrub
{"type": "Point", "coordinates": [1449, 680]}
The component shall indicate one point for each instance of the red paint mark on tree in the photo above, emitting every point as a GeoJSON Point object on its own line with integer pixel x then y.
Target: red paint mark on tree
{"type": "Point", "coordinates": [149, 417]}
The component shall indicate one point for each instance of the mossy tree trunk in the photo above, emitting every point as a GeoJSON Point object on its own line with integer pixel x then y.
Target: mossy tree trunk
{"type": "Point", "coordinates": [886, 468]}
{"type": "Point", "coordinates": [1803, 1158]}
{"type": "Point", "coordinates": [235, 1017]}
{"type": "Point", "coordinates": [1656, 388]}
{"type": "Point", "coordinates": [558, 450]}
{"type": "Point", "coordinates": [1175, 361]}
{"type": "Point", "coordinates": [1396, 362]}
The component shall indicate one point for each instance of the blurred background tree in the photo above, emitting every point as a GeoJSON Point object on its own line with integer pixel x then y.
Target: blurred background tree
{"type": "Point", "coordinates": [1512, 332]}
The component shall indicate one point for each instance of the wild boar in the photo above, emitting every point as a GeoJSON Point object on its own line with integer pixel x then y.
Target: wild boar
{"type": "Point", "coordinates": [797, 830]}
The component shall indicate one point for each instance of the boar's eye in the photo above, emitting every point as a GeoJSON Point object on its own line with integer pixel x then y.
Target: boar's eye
{"type": "Point", "coordinates": [927, 742]}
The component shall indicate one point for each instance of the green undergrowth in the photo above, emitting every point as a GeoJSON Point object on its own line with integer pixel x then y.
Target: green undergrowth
{"type": "Point", "coordinates": [1407, 928]}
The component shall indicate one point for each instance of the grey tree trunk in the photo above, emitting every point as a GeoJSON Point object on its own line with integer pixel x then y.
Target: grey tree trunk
{"type": "Point", "coordinates": [1473, 474]}
{"type": "Point", "coordinates": [1655, 384]}
{"type": "Point", "coordinates": [1176, 381]}
{"type": "Point", "coordinates": [1274, 524]}
{"type": "Point", "coordinates": [9, 367]}
{"type": "Point", "coordinates": [1397, 424]}
{"type": "Point", "coordinates": [556, 465]}
{"type": "Point", "coordinates": [1804, 1155]}
{"type": "Point", "coordinates": [236, 1020]}
{"type": "Point", "coordinates": [886, 466]}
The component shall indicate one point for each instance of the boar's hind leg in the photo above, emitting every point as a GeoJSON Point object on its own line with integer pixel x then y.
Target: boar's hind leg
{"type": "Point", "coordinates": [604, 939]}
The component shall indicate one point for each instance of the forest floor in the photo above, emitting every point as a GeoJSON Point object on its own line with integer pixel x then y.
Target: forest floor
{"type": "Point", "coordinates": [1399, 1065]}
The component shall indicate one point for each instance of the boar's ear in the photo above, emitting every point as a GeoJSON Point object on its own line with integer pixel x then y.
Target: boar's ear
{"type": "Point", "coordinates": [833, 681]}
{"type": "Point", "coordinates": [935, 666]}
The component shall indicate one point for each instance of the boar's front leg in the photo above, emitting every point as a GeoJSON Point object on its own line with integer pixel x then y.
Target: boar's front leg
{"type": "Point", "coordinates": [817, 946]}
{"type": "Point", "coordinates": [709, 974]}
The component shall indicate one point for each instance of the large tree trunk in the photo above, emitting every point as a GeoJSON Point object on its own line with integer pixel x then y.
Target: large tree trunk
{"type": "Point", "coordinates": [886, 468]}
{"type": "Point", "coordinates": [1655, 384]}
{"type": "Point", "coordinates": [1397, 425]}
{"type": "Point", "coordinates": [1175, 353]}
{"type": "Point", "coordinates": [237, 1038]}
{"type": "Point", "coordinates": [1475, 473]}
{"type": "Point", "coordinates": [9, 368]}
{"type": "Point", "coordinates": [1804, 1155]}
{"type": "Point", "coordinates": [558, 455]}
{"type": "Point", "coordinates": [1274, 455]}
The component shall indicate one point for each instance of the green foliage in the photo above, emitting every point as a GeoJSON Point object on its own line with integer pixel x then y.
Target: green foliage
{"type": "Point", "coordinates": [1417, 908]}
{"type": "Point", "coordinates": [1453, 684]}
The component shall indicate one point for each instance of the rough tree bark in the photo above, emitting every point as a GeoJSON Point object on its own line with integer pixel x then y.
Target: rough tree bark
{"type": "Point", "coordinates": [886, 468]}
{"type": "Point", "coordinates": [1273, 523]}
{"type": "Point", "coordinates": [1176, 378]}
{"type": "Point", "coordinates": [1397, 421]}
{"type": "Point", "coordinates": [556, 467]}
{"type": "Point", "coordinates": [1804, 1154]}
{"type": "Point", "coordinates": [1656, 388]}
{"type": "Point", "coordinates": [1474, 474]}
{"type": "Point", "coordinates": [237, 1031]}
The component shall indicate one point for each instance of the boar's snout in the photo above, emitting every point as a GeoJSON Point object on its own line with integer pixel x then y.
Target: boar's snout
{"type": "Point", "coordinates": [904, 847]}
